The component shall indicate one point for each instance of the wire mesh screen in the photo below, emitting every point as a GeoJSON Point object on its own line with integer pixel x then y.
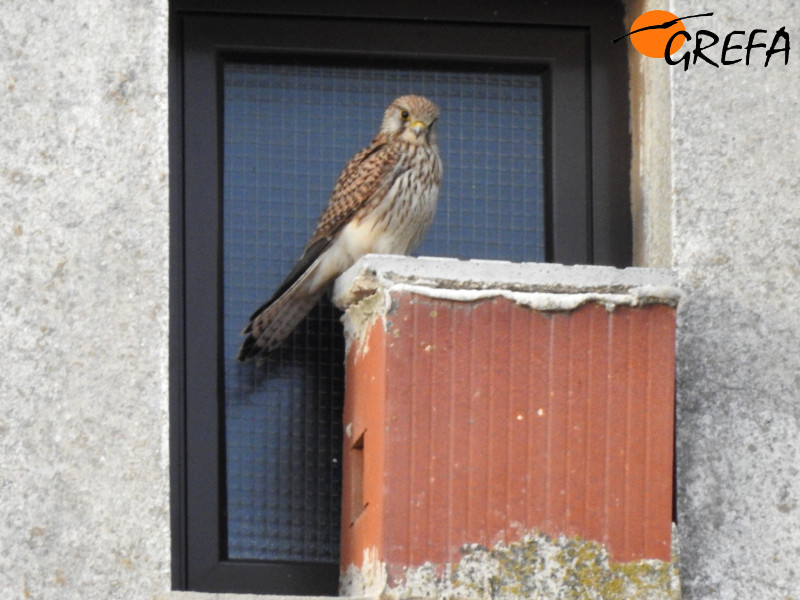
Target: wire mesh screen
{"type": "Point", "coordinates": [288, 131]}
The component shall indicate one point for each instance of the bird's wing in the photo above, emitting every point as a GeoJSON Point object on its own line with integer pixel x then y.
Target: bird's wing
{"type": "Point", "coordinates": [366, 175]}
{"type": "Point", "coordinates": [369, 174]}
{"type": "Point", "coordinates": [271, 323]}
{"type": "Point", "coordinates": [311, 254]}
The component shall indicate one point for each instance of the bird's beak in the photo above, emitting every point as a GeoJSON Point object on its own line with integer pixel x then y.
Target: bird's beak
{"type": "Point", "coordinates": [418, 127]}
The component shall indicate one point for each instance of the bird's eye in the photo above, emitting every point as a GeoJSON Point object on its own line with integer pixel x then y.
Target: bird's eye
{"type": "Point", "coordinates": [404, 115]}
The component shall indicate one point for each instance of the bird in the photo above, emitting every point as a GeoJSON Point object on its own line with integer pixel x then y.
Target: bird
{"type": "Point", "coordinates": [383, 202]}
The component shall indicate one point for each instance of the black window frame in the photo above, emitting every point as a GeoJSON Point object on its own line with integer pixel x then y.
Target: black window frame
{"type": "Point", "coordinates": [587, 196]}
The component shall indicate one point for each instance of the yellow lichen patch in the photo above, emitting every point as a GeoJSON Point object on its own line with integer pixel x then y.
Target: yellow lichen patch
{"type": "Point", "coordinates": [541, 568]}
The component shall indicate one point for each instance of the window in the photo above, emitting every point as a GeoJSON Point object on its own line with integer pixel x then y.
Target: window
{"type": "Point", "coordinates": [266, 108]}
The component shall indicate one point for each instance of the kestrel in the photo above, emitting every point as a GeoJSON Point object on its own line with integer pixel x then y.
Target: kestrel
{"type": "Point", "coordinates": [383, 202]}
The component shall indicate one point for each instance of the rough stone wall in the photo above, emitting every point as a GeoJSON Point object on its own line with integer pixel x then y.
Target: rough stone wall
{"type": "Point", "coordinates": [735, 140]}
{"type": "Point", "coordinates": [84, 254]}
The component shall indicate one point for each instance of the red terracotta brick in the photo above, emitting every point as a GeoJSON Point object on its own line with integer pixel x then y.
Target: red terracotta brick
{"type": "Point", "coordinates": [484, 420]}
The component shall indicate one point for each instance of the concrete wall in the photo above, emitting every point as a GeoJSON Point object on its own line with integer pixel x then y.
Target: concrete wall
{"type": "Point", "coordinates": [84, 246]}
{"type": "Point", "coordinates": [735, 141]}
{"type": "Point", "coordinates": [84, 280]}
{"type": "Point", "coordinates": [651, 165]}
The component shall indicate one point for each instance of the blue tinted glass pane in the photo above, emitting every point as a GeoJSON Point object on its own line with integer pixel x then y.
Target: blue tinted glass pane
{"type": "Point", "coordinates": [288, 131]}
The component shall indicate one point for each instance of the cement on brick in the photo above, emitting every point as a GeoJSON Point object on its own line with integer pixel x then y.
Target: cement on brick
{"type": "Point", "coordinates": [452, 274]}
{"type": "Point", "coordinates": [365, 290]}
{"type": "Point", "coordinates": [540, 286]}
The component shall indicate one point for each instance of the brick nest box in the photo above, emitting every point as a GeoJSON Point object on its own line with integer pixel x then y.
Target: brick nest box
{"type": "Point", "coordinates": [491, 405]}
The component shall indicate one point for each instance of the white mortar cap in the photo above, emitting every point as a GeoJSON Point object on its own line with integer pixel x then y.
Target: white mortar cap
{"type": "Point", "coordinates": [542, 286]}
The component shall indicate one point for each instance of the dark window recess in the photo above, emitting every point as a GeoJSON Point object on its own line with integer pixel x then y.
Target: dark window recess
{"type": "Point", "coordinates": [288, 130]}
{"type": "Point", "coordinates": [266, 110]}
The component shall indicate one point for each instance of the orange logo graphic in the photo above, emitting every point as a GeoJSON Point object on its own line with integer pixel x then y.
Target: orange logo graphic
{"type": "Point", "coordinates": [660, 34]}
{"type": "Point", "coordinates": [651, 33]}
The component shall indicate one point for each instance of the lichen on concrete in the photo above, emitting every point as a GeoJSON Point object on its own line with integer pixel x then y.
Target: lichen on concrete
{"type": "Point", "coordinates": [367, 580]}
{"type": "Point", "coordinates": [539, 567]}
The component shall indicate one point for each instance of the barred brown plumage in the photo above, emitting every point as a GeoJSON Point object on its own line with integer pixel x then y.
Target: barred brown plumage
{"type": "Point", "coordinates": [383, 202]}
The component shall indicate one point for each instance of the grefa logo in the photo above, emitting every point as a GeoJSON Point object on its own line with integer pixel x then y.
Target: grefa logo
{"type": "Point", "coordinates": [660, 34]}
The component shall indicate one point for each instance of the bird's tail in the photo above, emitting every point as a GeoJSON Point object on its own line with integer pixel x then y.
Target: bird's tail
{"type": "Point", "coordinates": [273, 322]}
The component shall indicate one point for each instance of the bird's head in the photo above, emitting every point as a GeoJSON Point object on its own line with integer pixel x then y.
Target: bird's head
{"type": "Point", "coordinates": [411, 119]}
